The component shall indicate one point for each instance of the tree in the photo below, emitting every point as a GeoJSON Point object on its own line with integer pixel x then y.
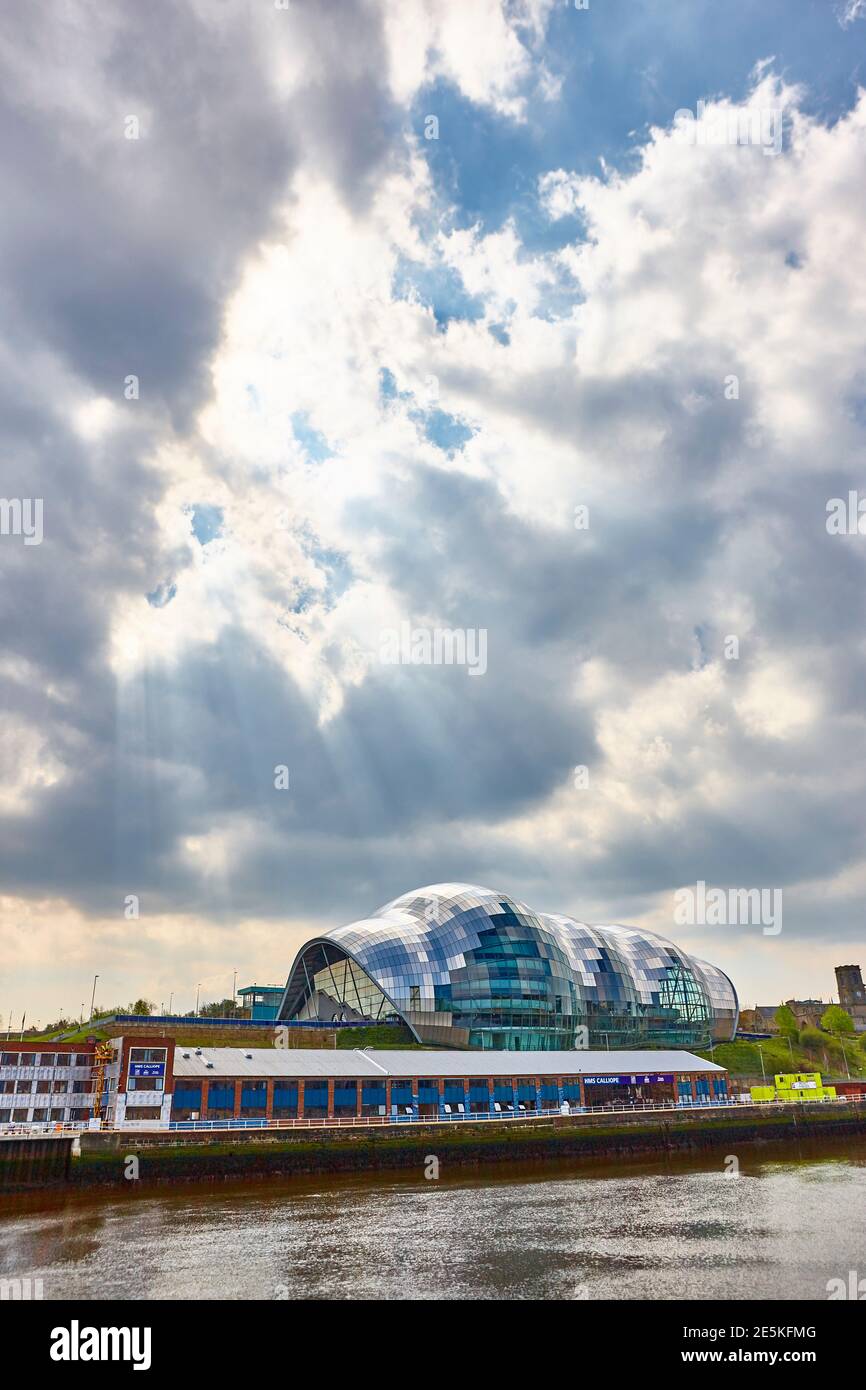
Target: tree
{"type": "Point", "coordinates": [142, 1006]}
{"type": "Point", "coordinates": [837, 1020]}
{"type": "Point", "coordinates": [785, 1021]}
{"type": "Point", "coordinates": [225, 1008]}
{"type": "Point", "coordinates": [812, 1039]}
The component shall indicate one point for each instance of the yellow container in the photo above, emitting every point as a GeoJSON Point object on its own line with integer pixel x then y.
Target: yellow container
{"type": "Point", "coordinates": [794, 1086]}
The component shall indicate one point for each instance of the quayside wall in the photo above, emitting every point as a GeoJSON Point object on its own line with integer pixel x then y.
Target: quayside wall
{"type": "Point", "coordinates": [243, 1154]}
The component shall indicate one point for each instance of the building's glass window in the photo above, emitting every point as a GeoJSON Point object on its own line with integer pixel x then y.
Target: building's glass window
{"type": "Point", "coordinates": [285, 1100]}
{"type": "Point", "coordinates": [63, 1059]}
{"type": "Point", "coordinates": [18, 1115]}
{"type": "Point", "coordinates": [315, 1101]}
{"type": "Point", "coordinates": [222, 1100]}
{"type": "Point", "coordinates": [254, 1099]}
{"type": "Point", "coordinates": [147, 1054]}
{"type": "Point", "coordinates": [46, 1059]}
{"type": "Point", "coordinates": [136, 1083]}
{"type": "Point", "coordinates": [83, 1059]}
{"type": "Point", "coordinates": [23, 1087]}
{"type": "Point", "coordinates": [345, 1094]}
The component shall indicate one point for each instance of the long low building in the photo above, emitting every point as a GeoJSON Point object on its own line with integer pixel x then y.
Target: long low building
{"type": "Point", "coordinates": [231, 1083]}
{"type": "Point", "coordinates": [137, 1080]}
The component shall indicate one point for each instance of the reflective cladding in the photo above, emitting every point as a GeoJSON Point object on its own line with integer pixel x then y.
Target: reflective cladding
{"type": "Point", "coordinates": [467, 966]}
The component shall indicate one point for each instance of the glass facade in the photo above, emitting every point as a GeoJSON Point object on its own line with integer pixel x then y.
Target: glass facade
{"type": "Point", "coordinates": [469, 967]}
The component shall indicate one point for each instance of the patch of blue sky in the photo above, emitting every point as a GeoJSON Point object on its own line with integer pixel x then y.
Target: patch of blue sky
{"type": "Point", "coordinates": [312, 441]}
{"type": "Point", "coordinates": [206, 521]}
{"type": "Point", "coordinates": [161, 595]}
{"type": "Point", "coordinates": [333, 565]}
{"type": "Point", "coordinates": [388, 389]}
{"type": "Point", "coordinates": [447, 432]}
{"type": "Point", "coordinates": [624, 67]}
{"type": "Point", "coordinates": [438, 287]}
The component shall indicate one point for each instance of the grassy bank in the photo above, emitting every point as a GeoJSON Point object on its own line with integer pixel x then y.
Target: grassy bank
{"type": "Point", "coordinates": [744, 1058]}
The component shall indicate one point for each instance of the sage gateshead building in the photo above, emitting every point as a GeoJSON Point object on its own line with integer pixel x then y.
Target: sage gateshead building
{"type": "Point", "coordinates": [467, 967]}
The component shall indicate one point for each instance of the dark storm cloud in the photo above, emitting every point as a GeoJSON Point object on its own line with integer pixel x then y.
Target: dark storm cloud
{"type": "Point", "coordinates": [116, 258]}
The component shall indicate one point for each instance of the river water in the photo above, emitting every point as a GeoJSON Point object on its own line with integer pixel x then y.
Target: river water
{"type": "Point", "coordinates": [782, 1228]}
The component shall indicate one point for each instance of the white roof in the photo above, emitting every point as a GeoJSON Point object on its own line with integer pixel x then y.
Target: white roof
{"type": "Point", "coordinates": [309, 1061]}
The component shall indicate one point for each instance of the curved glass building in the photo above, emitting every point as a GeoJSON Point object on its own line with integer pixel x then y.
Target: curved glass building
{"type": "Point", "coordinates": [468, 967]}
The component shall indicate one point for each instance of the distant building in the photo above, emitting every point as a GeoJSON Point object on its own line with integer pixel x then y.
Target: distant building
{"type": "Point", "coordinates": [760, 1019]}
{"type": "Point", "coordinates": [262, 1000]}
{"type": "Point", "coordinates": [147, 1082]}
{"type": "Point", "coordinates": [468, 967]}
{"type": "Point", "coordinates": [807, 1012]}
{"type": "Point", "coordinates": [852, 994]}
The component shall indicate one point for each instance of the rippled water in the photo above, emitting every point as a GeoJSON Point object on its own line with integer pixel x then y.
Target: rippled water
{"type": "Point", "coordinates": [780, 1230]}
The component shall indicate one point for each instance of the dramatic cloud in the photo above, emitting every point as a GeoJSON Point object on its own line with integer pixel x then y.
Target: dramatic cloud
{"type": "Point", "coordinates": [282, 392]}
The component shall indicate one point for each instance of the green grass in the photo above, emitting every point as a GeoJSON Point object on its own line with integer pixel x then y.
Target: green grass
{"type": "Point", "coordinates": [378, 1035]}
{"type": "Point", "coordinates": [744, 1058]}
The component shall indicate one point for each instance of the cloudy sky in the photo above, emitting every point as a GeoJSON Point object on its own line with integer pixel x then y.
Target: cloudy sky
{"type": "Point", "coordinates": [321, 319]}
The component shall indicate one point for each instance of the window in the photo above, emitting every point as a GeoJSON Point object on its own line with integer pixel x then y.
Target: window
{"type": "Point", "coordinates": [23, 1087]}
{"type": "Point", "coordinates": [6, 1088]}
{"type": "Point", "coordinates": [144, 1083]}
{"type": "Point", "coordinates": [147, 1054]}
{"type": "Point", "coordinates": [43, 1087]}
{"type": "Point", "coordinates": [20, 1114]}
{"type": "Point", "coordinates": [83, 1059]}
{"type": "Point", "coordinates": [8, 1059]}
{"type": "Point", "coordinates": [27, 1059]}
{"type": "Point", "coordinates": [46, 1059]}
{"type": "Point", "coordinates": [81, 1086]}
{"type": "Point", "coordinates": [59, 1087]}
{"type": "Point", "coordinates": [63, 1059]}
{"type": "Point", "coordinates": [56, 1114]}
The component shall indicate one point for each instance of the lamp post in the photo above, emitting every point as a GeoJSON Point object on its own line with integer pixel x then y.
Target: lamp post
{"type": "Point", "coordinates": [197, 992]}
{"type": "Point", "coordinates": [93, 997]}
{"type": "Point", "coordinates": [761, 1055]}
{"type": "Point", "coordinates": [845, 1055]}
{"type": "Point", "coordinates": [170, 998]}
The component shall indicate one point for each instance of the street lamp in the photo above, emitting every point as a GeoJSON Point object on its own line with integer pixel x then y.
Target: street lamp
{"type": "Point", "coordinates": [761, 1055]}
{"type": "Point", "coordinates": [92, 997]}
{"type": "Point", "coordinates": [845, 1055]}
{"type": "Point", "coordinates": [197, 990]}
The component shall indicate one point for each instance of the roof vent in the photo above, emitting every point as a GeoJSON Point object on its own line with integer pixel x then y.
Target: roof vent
{"type": "Point", "coordinates": [198, 1052]}
{"type": "Point", "coordinates": [186, 1055]}
{"type": "Point", "coordinates": [249, 1056]}
{"type": "Point", "coordinates": [209, 1064]}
